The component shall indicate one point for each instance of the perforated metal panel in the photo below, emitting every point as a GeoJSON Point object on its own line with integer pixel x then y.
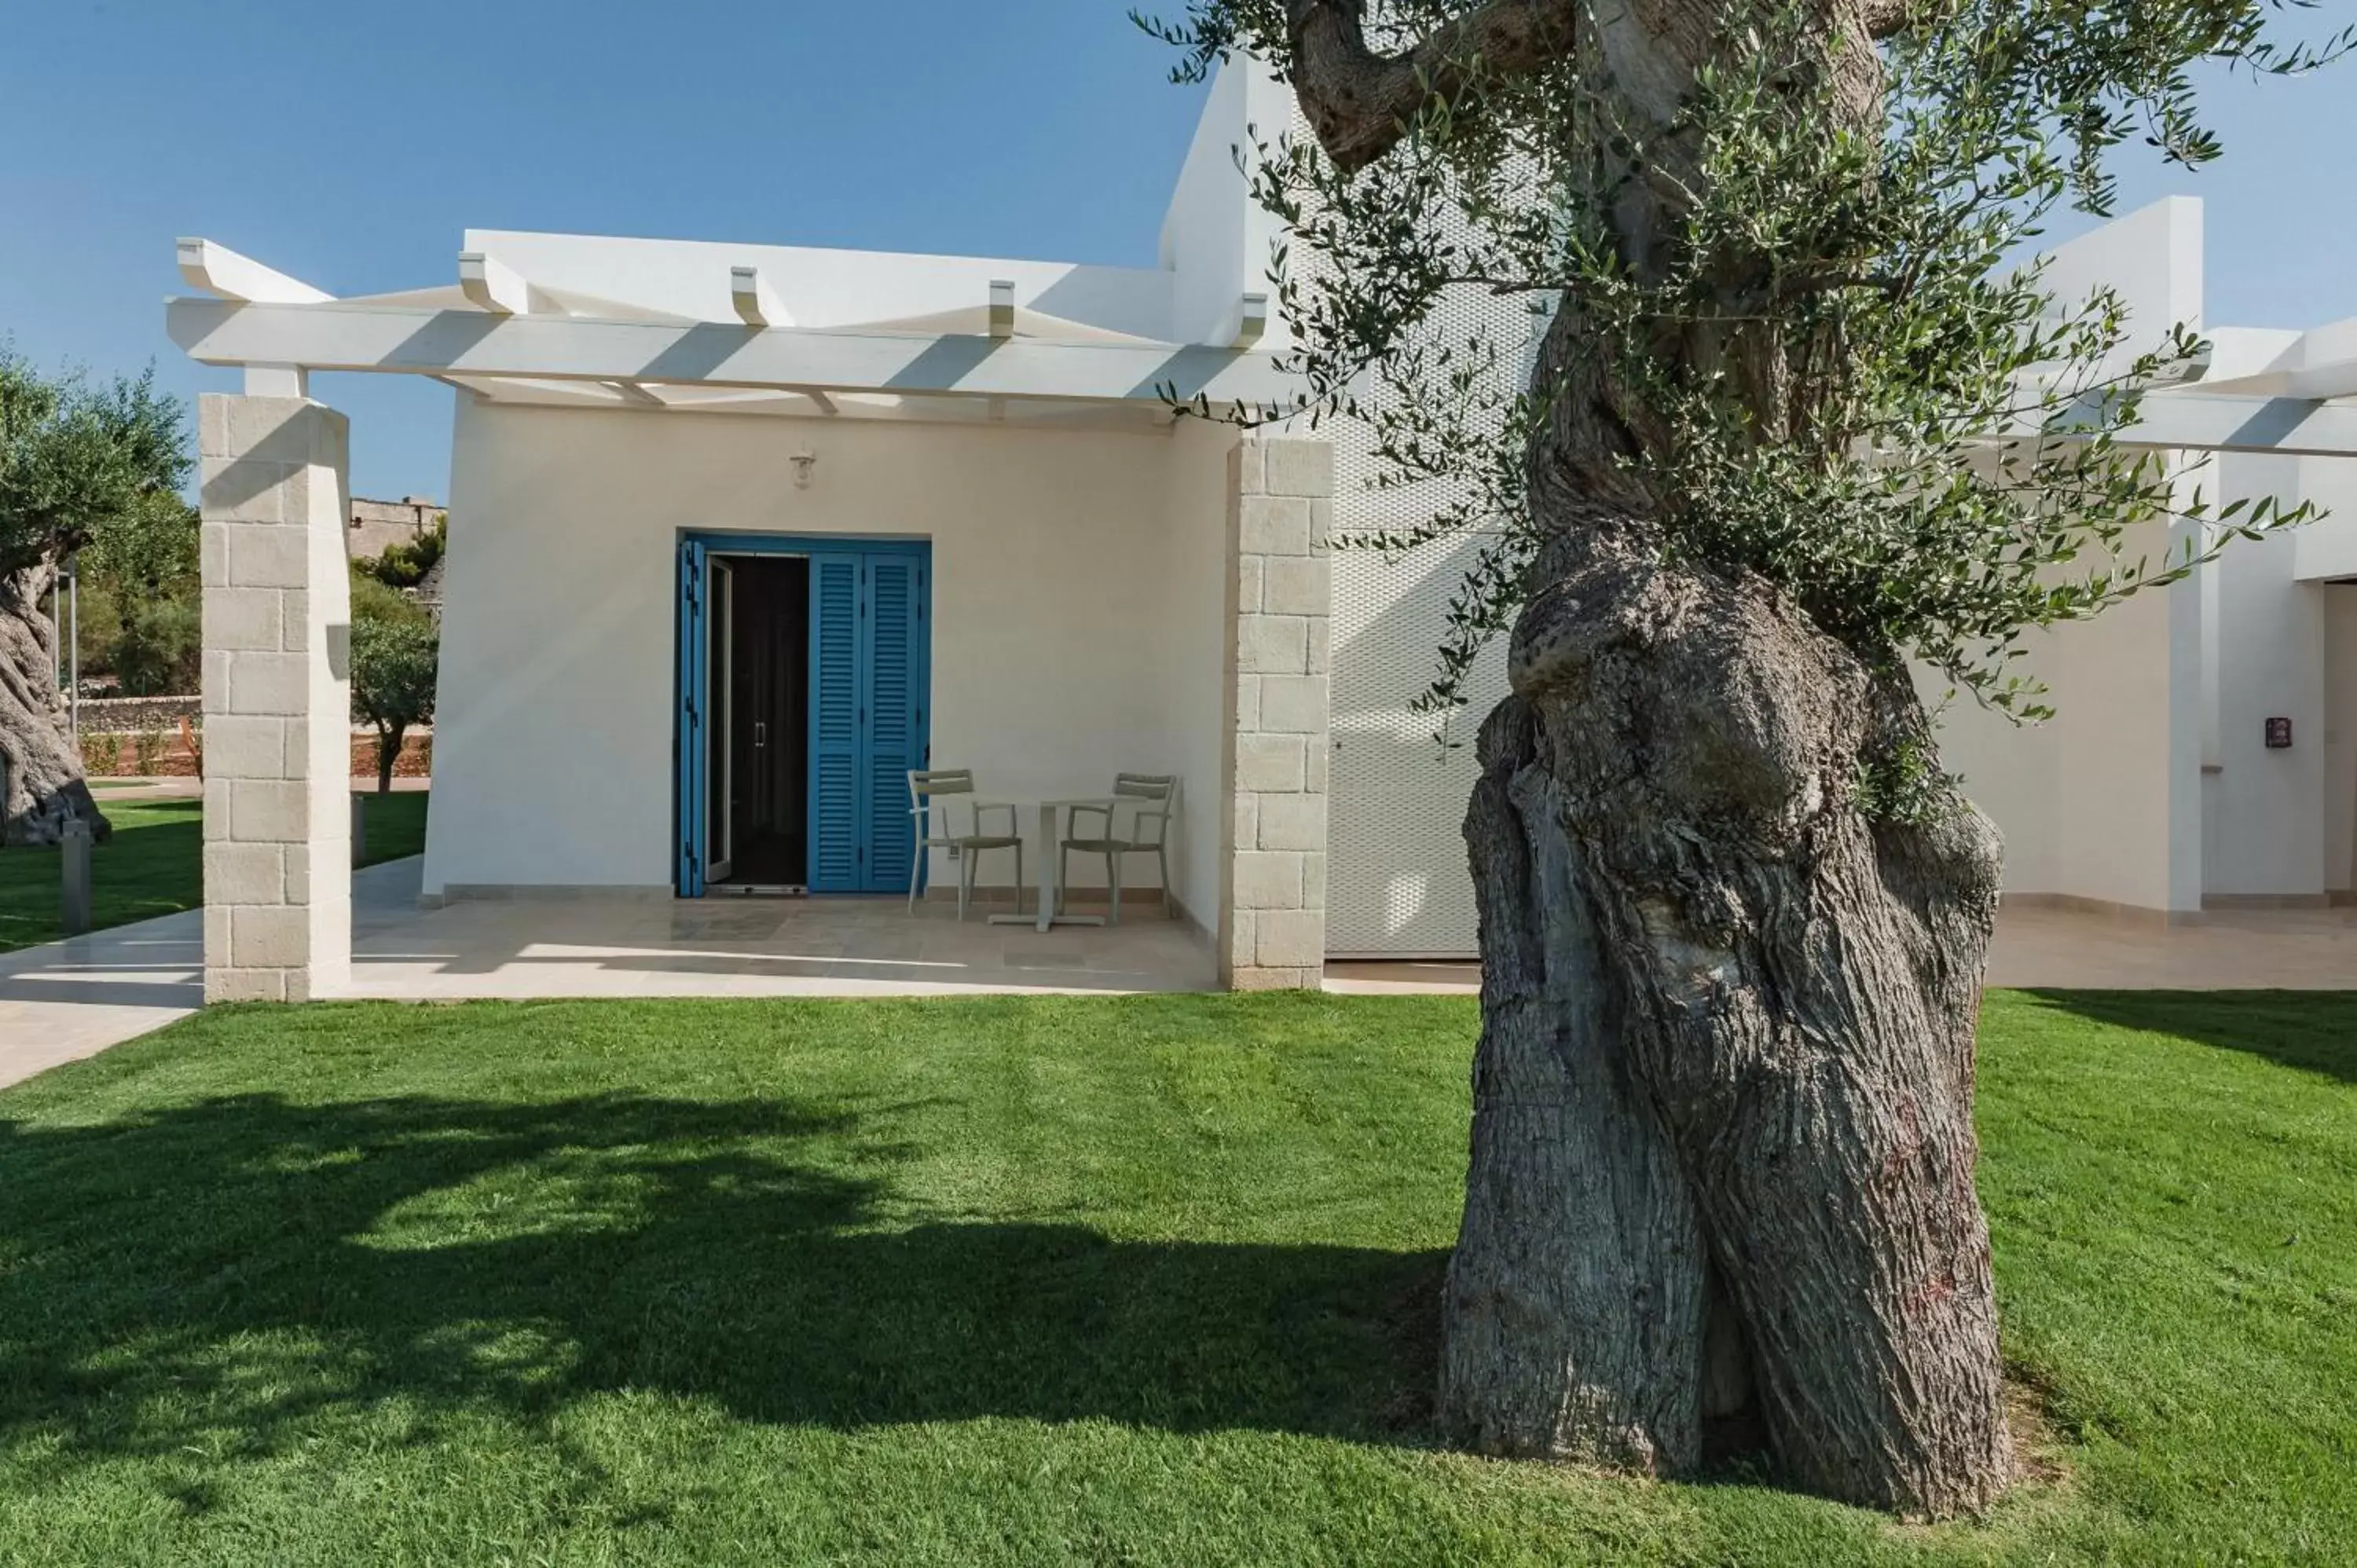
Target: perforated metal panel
{"type": "Point", "coordinates": [1397, 884]}
{"type": "Point", "coordinates": [1396, 881]}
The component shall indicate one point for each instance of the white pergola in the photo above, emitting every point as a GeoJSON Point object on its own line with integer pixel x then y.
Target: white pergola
{"type": "Point", "coordinates": [496, 335]}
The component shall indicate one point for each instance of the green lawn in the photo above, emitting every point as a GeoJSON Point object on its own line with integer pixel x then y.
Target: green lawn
{"type": "Point", "coordinates": [153, 865]}
{"type": "Point", "coordinates": [1051, 1281]}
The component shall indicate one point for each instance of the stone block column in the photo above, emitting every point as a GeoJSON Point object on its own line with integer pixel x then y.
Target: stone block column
{"type": "Point", "coordinates": [1273, 851]}
{"type": "Point", "coordinates": [277, 702]}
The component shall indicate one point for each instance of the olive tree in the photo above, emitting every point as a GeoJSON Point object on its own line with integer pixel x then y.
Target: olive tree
{"type": "Point", "coordinates": [77, 464]}
{"type": "Point", "coordinates": [394, 662]}
{"type": "Point", "coordinates": [1795, 426]}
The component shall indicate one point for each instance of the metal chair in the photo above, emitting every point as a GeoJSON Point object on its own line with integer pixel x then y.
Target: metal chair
{"type": "Point", "coordinates": [924, 787]}
{"type": "Point", "coordinates": [1157, 795]}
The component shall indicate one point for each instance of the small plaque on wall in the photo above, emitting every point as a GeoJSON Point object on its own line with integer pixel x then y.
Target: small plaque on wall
{"type": "Point", "coordinates": [2278, 735]}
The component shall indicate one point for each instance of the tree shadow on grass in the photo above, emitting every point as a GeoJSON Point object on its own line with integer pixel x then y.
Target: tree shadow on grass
{"type": "Point", "coordinates": [2313, 1031]}
{"type": "Point", "coordinates": [230, 1274]}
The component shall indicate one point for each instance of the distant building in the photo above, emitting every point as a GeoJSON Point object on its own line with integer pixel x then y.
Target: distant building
{"type": "Point", "coordinates": [376, 525]}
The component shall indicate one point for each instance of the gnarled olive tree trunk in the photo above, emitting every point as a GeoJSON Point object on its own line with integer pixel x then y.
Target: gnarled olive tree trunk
{"type": "Point", "coordinates": [1723, 1149]}
{"type": "Point", "coordinates": [40, 769]}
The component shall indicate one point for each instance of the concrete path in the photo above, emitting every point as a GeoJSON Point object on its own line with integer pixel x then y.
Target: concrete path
{"type": "Point", "coordinates": [64, 1001]}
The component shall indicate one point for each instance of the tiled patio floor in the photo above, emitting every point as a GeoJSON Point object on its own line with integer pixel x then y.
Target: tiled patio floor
{"type": "Point", "coordinates": [832, 947]}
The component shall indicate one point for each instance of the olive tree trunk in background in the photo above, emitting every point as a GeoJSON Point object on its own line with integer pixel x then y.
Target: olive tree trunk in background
{"type": "Point", "coordinates": [39, 763]}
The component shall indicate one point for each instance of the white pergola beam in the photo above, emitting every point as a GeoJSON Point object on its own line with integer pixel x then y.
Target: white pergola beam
{"type": "Point", "coordinates": [494, 286]}
{"type": "Point", "coordinates": [1002, 307]}
{"type": "Point", "coordinates": [465, 343]}
{"type": "Point", "coordinates": [2214, 422]}
{"type": "Point", "coordinates": [1251, 320]}
{"type": "Point", "coordinates": [757, 304]}
{"type": "Point", "coordinates": [223, 273]}
{"type": "Point", "coordinates": [2198, 420]}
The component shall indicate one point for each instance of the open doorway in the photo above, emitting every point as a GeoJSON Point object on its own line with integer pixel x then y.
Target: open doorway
{"type": "Point", "coordinates": [804, 683]}
{"type": "Point", "coordinates": [759, 771]}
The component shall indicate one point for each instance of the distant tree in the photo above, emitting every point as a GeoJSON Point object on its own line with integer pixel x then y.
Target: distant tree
{"type": "Point", "coordinates": [393, 667]}
{"type": "Point", "coordinates": [78, 463]}
{"type": "Point", "coordinates": [143, 599]}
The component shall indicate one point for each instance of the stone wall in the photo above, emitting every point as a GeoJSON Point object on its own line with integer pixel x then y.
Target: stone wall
{"type": "Point", "coordinates": [1273, 865]}
{"type": "Point", "coordinates": [131, 715]}
{"type": "Point", "coordinates": [373, 525]}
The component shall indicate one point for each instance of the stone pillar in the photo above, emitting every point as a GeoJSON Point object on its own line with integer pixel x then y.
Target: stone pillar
{"type": "Point", "coordinates": [277, 737]}
{"type": "Point", "coordinates": [1273, 774]}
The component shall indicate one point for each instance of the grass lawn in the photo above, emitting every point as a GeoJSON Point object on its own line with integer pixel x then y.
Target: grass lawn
{"type": "Point", "coordinates": [154, 863]}
{"type": "Point", "coordinates": [1048, 1280]}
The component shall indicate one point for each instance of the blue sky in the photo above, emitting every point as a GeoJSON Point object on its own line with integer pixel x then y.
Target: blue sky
{"type": "Point", "coordinates": [349, 144]}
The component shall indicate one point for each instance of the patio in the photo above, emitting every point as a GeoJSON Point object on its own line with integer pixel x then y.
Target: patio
{"type": "Point", "coordinates": [623, 946]}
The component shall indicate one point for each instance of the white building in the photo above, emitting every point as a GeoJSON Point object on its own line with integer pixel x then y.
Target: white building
{"type": "Point", "coordinates": [740, 533]}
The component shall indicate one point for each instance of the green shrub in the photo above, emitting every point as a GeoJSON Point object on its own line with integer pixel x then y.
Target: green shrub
{"type": "Point", "coordinates": [373, 601]}
{"type": "Point", "coordinates": [406, 566]}
{"type": "Point", "coordinates": [102, 755]}
{"type": "Point", "coordinates": [159, 649]}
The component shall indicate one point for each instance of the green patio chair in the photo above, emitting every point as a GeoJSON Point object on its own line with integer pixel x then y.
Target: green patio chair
{"type": "Point", "coordinates": [1155, 798]}
{"type": "Point", "coordinates": [924, 789]}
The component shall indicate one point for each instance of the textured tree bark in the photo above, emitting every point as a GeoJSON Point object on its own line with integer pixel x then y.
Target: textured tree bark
{"type": "Point", "coordinates": [1726, 1056]}
{"type": "Point", "coordinates": [44, 788]}
{"type": "Point", "coordinates": [1575, 1296]}
{"type": "Point", "coordinates": [1722, 1151]}
{"type": "Point", "coordinates": [388, 741]}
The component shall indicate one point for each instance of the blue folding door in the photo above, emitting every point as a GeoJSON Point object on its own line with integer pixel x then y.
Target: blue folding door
{"type": "Point", "coordinates": [695, 684]}
{"type": "Point", "coordinates": [870, 667]}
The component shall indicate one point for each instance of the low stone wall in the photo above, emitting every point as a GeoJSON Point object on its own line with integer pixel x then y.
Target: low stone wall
{"type": "Point", "coordinates": [129, 716]}
{"type": "Point", "coordinates": [161, 754]}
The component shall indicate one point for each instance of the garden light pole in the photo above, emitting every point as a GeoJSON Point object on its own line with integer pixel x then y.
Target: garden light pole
{"type": "Point", "coordinates": [73, 646]}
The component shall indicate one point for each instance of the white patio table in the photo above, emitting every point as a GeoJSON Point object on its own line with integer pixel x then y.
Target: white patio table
{"type": "Point", "coordinates": [1049, 811]}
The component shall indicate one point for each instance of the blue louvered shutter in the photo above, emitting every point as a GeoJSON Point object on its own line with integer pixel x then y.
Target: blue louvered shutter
{"type": "Point", "coordinates": [895, 713]}
{"type": "Point", "coordinates": [838, 817]}
{"type": "Point", "coordinates": [688, 742]}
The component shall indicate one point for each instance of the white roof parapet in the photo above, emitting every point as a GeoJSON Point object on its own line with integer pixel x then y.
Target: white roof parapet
{"type": "Point", "coordinates": [757, 305]}
{"type": "Point", "coordinates": [492, 286]}
{"type": "Point", "coordinates": [1002, 307]}
{"type": "Point", "coordinates": [423, 341]}
{"type": "Point", "coordinates": [2319, 363]}
{"type": "Point", "coordinates": [221, 272]}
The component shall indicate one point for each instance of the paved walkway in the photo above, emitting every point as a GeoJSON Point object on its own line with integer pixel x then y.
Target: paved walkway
{"type": "Point", "coordinates": [64, 1001]}
{"type": "Point", "coordinates": [69, 1000]}
{"type": "Point", "coordinates": [2226, 950]}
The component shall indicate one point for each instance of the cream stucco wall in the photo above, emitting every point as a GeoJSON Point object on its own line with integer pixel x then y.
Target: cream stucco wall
{"type": "Point", "coordinates": [2103, 801]}
{"type": "Point", "coordinates": [1075, 592]}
